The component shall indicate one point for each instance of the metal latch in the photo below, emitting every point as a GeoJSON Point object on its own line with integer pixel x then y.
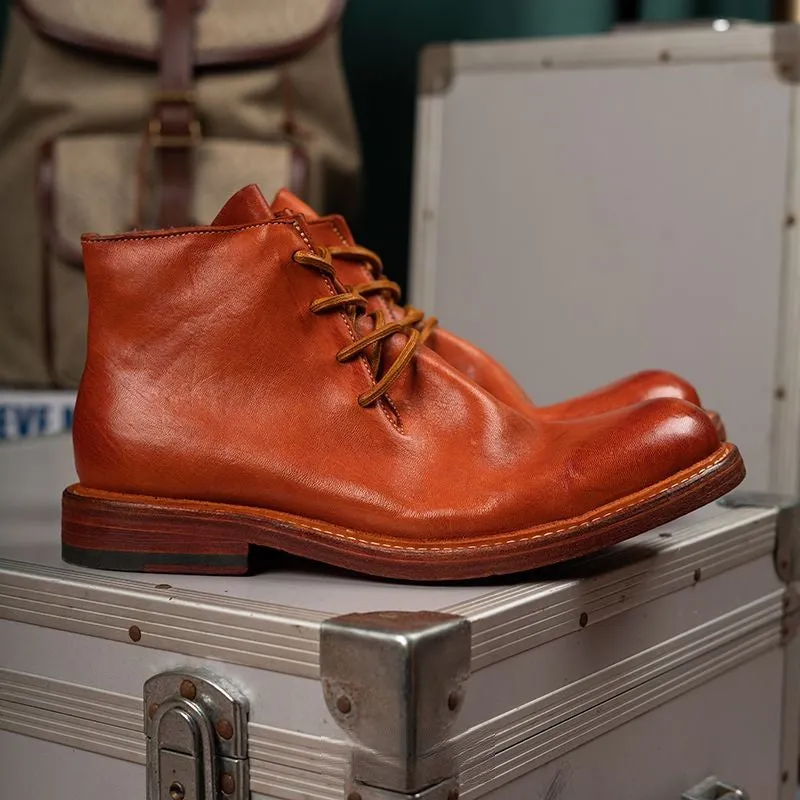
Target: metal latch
{"type": "Point", "coordinates": [196, 739]}
{"type": "Point", "coordinates": [714, 789]}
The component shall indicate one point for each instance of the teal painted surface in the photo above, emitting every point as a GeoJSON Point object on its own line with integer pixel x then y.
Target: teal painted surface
{"type": "Point", "coordinates": [658, 10]}
{"type": "Point", "coordinates": [561, 17]}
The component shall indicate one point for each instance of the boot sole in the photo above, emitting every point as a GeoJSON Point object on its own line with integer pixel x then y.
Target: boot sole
{"type": "Point", "coordinates": [108, 530]}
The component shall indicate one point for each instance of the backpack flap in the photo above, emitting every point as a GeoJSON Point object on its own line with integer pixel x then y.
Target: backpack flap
{"type": "Point", "coordinates": [228, 31]}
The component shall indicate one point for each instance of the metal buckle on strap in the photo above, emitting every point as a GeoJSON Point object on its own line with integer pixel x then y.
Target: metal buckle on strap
{"type": "Point", "coordinates": [157, 139]}
{"type": "Point", "coordinates": [188, 96]}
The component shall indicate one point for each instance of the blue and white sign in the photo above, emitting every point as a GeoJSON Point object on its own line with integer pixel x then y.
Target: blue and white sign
{"type": "Point", "coordinates": [28, 415]}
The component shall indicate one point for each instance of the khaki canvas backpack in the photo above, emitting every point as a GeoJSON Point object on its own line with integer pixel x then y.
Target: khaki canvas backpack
{"type": "Point", "coordinates": [150, 113]}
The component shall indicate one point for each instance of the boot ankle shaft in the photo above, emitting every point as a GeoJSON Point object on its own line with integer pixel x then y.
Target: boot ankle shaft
{"type": "Point", "coordinates": [161, 308]}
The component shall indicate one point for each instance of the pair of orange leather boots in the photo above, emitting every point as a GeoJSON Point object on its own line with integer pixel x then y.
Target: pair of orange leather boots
{"type": "Point", "coordinates": [255, 382]}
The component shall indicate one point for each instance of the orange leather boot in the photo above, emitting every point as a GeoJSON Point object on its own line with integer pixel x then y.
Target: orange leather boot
{"type": "Point", "coordinates": [360, 267]}
{"type": "Point", "coordinates": [237, 394]}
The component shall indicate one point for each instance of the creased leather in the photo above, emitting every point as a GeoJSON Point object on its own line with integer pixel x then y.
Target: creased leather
{"type": "Point", "coordinates": [209, 378]}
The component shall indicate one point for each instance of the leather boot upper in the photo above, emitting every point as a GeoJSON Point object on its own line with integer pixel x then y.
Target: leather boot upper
{"type": "Point", "coordinates": [210, 376]}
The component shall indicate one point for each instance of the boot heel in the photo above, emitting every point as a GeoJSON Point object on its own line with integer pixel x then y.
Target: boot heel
{"type": "Point", "coordinates": [139, 537]}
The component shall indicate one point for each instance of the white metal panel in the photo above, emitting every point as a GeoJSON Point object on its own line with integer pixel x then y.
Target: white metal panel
{"type": "Point", "coordinates": [666, 751]}
{"type": "Point", "coordinates": [662, 752]}
{"type": "Point", "coordinates": [35, 768]}
{"type": "Point", "coordinates": [493, 752]}
{"type": "Point", "coordinates": [612, 212]}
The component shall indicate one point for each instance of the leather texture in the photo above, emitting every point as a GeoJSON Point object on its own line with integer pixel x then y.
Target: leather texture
{"type": "Point", "coordinates": [209, 378]}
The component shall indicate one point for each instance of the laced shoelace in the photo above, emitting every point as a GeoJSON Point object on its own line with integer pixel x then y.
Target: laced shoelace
{"type": "Point", "coordinates": [352, 302]}
{"type": "Point", "coordinates": [381, 285]}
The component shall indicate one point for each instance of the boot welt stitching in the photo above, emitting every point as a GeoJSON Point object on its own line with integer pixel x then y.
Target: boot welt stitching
{"type": "Point", "coordinates": [515, 541]}
{"type": "Point", "coordinates": [146, 235]}
{"type": "Point", "coordinates": [543, 535]}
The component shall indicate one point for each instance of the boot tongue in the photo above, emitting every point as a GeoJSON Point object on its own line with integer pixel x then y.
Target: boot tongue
{"type": "Point", "coordinates": [328, 231]}
{"type": "Point", "coordinates": [286, 201]}
{"type": "Point", "coordinates": [332, 231]}
{"type": "Point", "coordinates": [247, 205]}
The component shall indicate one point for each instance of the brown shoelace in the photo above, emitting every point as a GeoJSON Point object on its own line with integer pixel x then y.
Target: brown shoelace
{"type": "Point", "coordinates": [352, 302]}
{"type": "Point", "coordinates": [380, 285]}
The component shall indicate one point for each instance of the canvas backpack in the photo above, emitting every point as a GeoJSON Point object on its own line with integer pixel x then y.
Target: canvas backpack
{"type": "Point", "coordinates": [148, 114]}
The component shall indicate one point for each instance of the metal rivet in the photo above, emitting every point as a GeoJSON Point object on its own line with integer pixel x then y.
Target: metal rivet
{"type": "Point", "coordinates": [698, 573]}
{"type": "Point", "coordinates": [452, 794]}
{"type": "Point", "coordinates": [188, 690]}
{"type": "Point", "coordinates": [135, 633]}
{"type": "Point", "coordinates": [151, 711]}
{"type": "Point", "coordinates": [780, 393]}
{"type": "Point", "coordinates": [176, 791]}
{"type": "Point", "coordinates": [227, 784]}
{"type": "Point", "coordinates": [785, 776]}
{"type": "Point", "coordinates": [547, 62]}
{"type": "Point", "coordinates": [225, 729]}
{"type": "Point", "coordinates": [583, 620]}
{"type": "Point", "coordinates": [664, 55]}
{"type": "Point", "coordinates": [354, 796]}
{"type": "Point", "coordinates": [344, 705]}
{"type": "Point", "coordinates": [790, 220]}
{"type": "Point", "coordinates": [454, 700]}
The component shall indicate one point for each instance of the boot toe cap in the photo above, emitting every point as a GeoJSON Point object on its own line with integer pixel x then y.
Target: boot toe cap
{"type": "Point", "coordinates": [653, 384]}
{"type": "Point", "coordinates": [662, 437]}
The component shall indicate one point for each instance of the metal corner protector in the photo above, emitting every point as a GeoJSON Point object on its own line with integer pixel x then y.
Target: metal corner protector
{"type": "Point", "coordinates": [435, 69]}
{"type": "Point", "coordinates": [394, 682]}
{"type": "Point", "coordinates": [786, 52]}
{"type": "Point", "coordinates": [787, 527]}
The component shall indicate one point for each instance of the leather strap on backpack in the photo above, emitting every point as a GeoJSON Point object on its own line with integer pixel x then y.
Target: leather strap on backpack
{"type": "Point", "coordinates": [174, 130]}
